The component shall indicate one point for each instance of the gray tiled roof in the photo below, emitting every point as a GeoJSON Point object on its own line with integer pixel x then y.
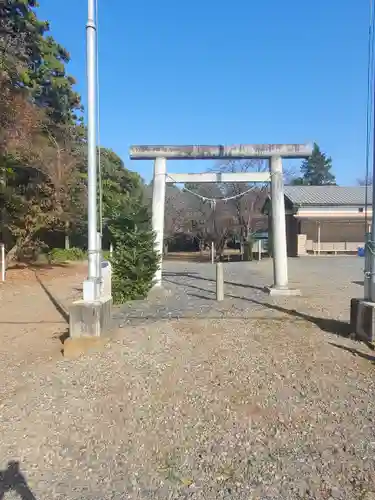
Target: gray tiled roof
{"type": "Point", "coordinates": [328, 195]}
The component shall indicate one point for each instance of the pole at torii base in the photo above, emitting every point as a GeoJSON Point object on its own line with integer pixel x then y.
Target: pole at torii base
{"type": "Point", "coordinates": [91, 317]}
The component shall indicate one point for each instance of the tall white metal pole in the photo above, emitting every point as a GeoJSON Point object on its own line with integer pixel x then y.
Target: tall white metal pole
{"type": "Point", "coordinates": [371, 244]}
{"type": "Point", "coordinates": [92, 290]}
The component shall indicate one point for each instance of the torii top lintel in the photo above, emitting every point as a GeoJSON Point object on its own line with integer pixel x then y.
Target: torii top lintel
{"type": "Point", "coordinates": [241, 151]}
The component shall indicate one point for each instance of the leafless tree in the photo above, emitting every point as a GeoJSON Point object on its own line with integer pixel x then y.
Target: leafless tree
{"type": "Point", "coordinates": [247, 198]}
{"type": "Point", "coordinates": [211, 222]}
{"type": "Point", "coordinates": [176, 214]}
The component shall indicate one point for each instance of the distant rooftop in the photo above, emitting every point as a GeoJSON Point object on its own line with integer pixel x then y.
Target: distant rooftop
{"type": "Point", "coordinates": [328, 195]}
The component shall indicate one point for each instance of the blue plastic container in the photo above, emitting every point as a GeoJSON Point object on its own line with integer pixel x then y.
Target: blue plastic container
{"type": "Point", "coordinates": [361, 252]}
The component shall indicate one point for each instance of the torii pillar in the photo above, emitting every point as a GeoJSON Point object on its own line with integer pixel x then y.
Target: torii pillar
{"type": "Point", "coordinates": [158, 208]}
{"type": "Point", "coordinates": [272, 152]}
{"type": "Point", "coordinates": [279, 246]}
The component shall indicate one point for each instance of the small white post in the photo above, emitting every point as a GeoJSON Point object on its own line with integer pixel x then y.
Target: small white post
{"type": "Point", "coordinates": [2, 250]}
{"type": "Point", "coordinates": [318, 238]}
{"type": "Point", "coordinates": [212, 253]}
{"type": "Point", "coordinates": [280, 262]}
{"type": "Point", "coordinates": [219, 282]}
{"type": "Point", "coordinates": [111, 250]}
{"type": "Point", "coordinates": [158, 202]}
{"type": "Point", "coordinates": [259, 250]}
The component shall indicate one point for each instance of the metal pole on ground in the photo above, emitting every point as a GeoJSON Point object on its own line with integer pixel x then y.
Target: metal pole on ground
{"type": "Point", "coordinates": [212, 253]}
{"type": "Point", "coordinates": [91, 285]}
{"type": "Point", "coordinates": [219, 282]}
{"type": "Point", "coordinates": [91, 317]}
{"type": "Point", "coordinates": [371, 246]}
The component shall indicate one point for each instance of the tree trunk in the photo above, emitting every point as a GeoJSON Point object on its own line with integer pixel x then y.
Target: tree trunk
{"type": "Point", "coordinates": [212, 252]}
{"type": "Point", "coordinates": [12, 254]}
{"type": "Point", "coordinates": [220, 249]}
{"type": "Point", "coordinates": [201, 246]}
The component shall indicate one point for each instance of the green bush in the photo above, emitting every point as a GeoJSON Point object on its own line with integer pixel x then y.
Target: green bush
{"type": "Point", "coordinates": [58, 255]}
{"type": "Point", "coordinates": [134, 260]}
{"type": "Point", "coordinates": [72, 254]}
{"type": "Point", "coordinates": [105, 255]}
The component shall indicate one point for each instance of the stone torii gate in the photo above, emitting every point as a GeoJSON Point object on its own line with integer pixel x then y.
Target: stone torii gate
{"type": "Point", "coordinates": [272, 152]}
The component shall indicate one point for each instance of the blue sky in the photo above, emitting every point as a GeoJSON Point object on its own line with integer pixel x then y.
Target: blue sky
{"type": "Point", "coordinates": [218, 72]}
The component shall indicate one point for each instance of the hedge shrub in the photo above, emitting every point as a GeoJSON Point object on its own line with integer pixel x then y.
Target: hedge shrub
{"type": "Point", "coordinates": [59, 255]}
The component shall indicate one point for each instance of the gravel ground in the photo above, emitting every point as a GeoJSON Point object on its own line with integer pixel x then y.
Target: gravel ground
{"type": "Point", "coordinates": [255, 398]}
{"type": "Point", "coordinates": [30, 324]}
{"type": "Point", "coordinates": [327, 284]}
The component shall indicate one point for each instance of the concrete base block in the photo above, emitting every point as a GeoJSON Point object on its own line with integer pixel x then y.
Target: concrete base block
{"type": "Point", "coordinates": [282, 292]}
{"type": "Point", "coordinates": [90, 319]}
{"type": "Point", "coordinates": [362, 319]}
{"type": "Point", "coordinates": [79, 346]}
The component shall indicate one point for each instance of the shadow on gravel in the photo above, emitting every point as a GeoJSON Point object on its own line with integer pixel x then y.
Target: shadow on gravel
{"type": "Point", "coordinates": [32, 322]}
{"type": "Point", "coordinates": [355, 352]}
{"type": "Point", "coordinates": [36, 266]}
{"type": "Point", "coordinates": [12, 479]}
{"type": "Point", "coordinates": [337, 327]}
{"type": "Point", "coordinates": [360, 283]}
{"type": "Point", "coordinates": [60, 309]}
{"type": "Point", "coordinates": [200, 278]}
{"type": "Point", "coordinates": [63, 336]}
{"type": "Point", "coordinates": [187, 274]}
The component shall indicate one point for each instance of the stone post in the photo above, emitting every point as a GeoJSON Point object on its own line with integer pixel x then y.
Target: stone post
{"type": "Point", "coordinates": [219, 282]}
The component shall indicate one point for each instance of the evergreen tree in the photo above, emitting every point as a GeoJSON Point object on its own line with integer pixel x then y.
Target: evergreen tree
{"type": "Point", "coordinates": [42, 130]}
{"type": "Point", "coordinates": [135, 260]}
{"type": "Point", "coordinates": [43, 156]}
{"type": "Point", "coordinates": [119, 184]}
{"type": "Point", "coordinates": [34, 61]}
{"type": "Point", "coordinates": [316, 170]}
